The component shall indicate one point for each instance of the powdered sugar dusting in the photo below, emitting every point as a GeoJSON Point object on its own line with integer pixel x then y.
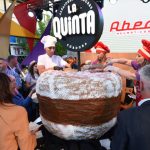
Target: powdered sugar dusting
{"type": "Point", "coordinates": [78, 85]}
{"type": "Point", "coordinates": [70, 132]}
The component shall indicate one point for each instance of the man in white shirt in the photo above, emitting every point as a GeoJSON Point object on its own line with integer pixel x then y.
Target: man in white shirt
{"type": "Point", "coordinates": [48, 61]}
{"type": "Point", "coordinates": [133, 127]}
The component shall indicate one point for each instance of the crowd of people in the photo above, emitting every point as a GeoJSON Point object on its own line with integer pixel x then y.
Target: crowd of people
{"type": "Point", "coordinates": [132, 131]}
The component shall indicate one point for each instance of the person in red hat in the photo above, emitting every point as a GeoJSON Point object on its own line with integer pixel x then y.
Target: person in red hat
{"type": "Point", "coordinates": [142, 59]}
{"type": "Point", "coordinates": [101, 50]}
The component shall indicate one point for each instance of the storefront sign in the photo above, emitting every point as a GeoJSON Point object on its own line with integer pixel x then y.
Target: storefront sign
{"type": "Point", "coordinates": [17, 50]}
{"type": "Point", "coordinates": [78, 24]}
{"type": "Point", "coordinates": [128, 26]}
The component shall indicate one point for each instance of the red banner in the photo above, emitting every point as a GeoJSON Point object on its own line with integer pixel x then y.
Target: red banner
{"type": "Point", "coordinates": [29, 23]}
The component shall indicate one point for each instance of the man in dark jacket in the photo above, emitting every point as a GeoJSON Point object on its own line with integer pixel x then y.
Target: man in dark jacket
{"type": "Point", "coordinates": [133, 128]}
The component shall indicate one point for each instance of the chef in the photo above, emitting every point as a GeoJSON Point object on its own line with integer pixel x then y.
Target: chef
{"type": "Point", "coordinates": [49, 61]}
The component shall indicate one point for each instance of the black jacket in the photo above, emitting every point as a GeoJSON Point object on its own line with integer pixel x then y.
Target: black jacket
{"type": "Point", "coordinates": [133, 129]}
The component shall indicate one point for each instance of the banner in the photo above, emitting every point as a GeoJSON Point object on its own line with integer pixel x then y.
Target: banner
{"type": "Point", "coordinates": [126, 23]}
{"type": "Point", "coordinates": [5, 22]}
{"type": "Point", "coordinates": [38, 49]}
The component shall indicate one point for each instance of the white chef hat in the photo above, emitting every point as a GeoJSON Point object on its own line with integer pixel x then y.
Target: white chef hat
{"type": "Point", "coordinates": [49, 41]}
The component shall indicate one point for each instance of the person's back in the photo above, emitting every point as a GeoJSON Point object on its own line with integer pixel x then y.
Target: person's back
{"type": "Point", "coordinates": [139, 122]}
{"type": "Point", "coordinates": [14, 129]}
{"type": "Point", "coordinates": [133, 131]}
{"type": "Point", "coordinates": [133, 128]}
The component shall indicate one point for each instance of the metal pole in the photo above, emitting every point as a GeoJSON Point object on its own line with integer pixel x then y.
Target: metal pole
{"type": "Point", "coordinates": [79, 62]}
{"type": "Point", "coordinates": [5, 5]}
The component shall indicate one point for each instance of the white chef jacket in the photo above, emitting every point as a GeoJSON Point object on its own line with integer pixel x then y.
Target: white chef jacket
{"type": "Point", "coordinates": [50, 62]}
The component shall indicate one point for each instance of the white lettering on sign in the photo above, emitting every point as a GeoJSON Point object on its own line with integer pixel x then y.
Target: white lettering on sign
{"type": "Point", "coordinates": [71, 25]}
{"type": "Point", "coordinates": [73, 9]}
{"type": "Point", "coordinates": [76, 47]}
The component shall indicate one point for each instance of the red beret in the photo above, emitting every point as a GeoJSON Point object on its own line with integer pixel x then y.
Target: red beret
{"type": "Point", "coordinates": [145, 50]}
{"type": "Point", "coordinates": [101, 48]}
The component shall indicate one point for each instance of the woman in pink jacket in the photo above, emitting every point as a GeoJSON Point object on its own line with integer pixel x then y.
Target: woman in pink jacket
{"type": "Point", "coordinates": [14, 125]}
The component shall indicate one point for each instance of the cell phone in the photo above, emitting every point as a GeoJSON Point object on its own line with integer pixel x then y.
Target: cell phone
{"type": "Point", "coordinates": [132, 96]}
